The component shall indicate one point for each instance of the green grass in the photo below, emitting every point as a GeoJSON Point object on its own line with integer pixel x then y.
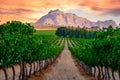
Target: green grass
{"type": "Point", "coordinates": [45, 32]}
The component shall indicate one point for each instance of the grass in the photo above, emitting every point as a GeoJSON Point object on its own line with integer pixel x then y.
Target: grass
{"type": "Point", "coordinates": [45, 32]}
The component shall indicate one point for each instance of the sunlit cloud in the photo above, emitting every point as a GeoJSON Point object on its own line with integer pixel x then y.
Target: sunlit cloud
{"type": "Point", "coordinates": [31, 10]}
{"type": "Point", "coordinates": [107, 7]}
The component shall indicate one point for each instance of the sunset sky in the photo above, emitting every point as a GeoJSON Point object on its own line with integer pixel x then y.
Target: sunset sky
{"type": "Point", "coordinates": [32, 10]}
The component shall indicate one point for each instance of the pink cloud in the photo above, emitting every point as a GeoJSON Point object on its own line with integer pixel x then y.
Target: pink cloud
{"type": "Point", "coordinates": [13, 8]}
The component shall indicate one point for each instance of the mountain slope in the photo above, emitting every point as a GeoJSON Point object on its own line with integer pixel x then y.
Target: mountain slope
{"type": "Point", "coordinates": [57, 17]}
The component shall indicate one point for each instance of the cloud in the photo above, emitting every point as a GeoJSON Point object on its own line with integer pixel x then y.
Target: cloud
{"type": "Point", "coordinates": [114, 12]}
{"type": "Point", "coordinates": [23, 5]}
{"type": "Point", "coordinates": [17, 11]}
{"type": "Point", "coordinates": [107, 7]}
{"type": "Point", "coordinates": [37, 8]}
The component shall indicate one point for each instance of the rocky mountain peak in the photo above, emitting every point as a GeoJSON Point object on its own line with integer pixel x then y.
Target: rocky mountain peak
{"type": "Point", "coordinates": [54, 11]}
{"type": "Point", "coordinates": [59, 18]}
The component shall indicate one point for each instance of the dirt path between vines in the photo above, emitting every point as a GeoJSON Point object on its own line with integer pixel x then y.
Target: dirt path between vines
{"type": "Point", "coordinates": [64, 68]}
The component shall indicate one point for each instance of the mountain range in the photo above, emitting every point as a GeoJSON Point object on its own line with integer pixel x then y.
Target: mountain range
{"type": "Point", "coordinates": [59, 18]}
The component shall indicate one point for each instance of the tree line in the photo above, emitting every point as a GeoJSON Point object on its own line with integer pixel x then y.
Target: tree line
{"type": "Point", "coordinates": [75, 33]}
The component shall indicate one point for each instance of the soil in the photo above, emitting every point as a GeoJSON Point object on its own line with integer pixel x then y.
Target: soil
{"type": "Point", "coordinates": [64, 68]}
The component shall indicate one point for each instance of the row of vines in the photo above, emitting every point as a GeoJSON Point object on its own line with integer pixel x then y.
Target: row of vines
{"type": "Point", "coordinates": [100, 56]}
{"type": "Point", "coordinates": [19, 45]}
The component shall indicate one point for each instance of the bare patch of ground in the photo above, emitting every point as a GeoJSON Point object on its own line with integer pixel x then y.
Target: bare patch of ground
{"type": "Point", "coordinates": [65, 68]}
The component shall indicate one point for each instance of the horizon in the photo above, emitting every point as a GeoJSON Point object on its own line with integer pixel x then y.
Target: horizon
{"type": "Point", "coordinates": [31, 11]}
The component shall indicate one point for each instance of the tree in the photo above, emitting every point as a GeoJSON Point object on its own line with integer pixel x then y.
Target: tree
{"type": "Point", "coordinates": [62, 31]}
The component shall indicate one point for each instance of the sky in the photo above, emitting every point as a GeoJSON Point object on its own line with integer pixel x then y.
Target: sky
{"type": "Point", "coordinates": [32, 10]}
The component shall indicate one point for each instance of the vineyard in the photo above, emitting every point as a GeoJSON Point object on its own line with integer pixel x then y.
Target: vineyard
{"type": "Point", "coordinates": [100, 56]}
{"type": "Point", "coordinates": [25, 51]}
{"type": "Point", "coordinates": [20, 46]}
{"type": "Point", "coordinates": [99, 65]}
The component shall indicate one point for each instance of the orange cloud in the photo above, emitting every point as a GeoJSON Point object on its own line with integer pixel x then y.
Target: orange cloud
{"type": "Point", "coordinates": [104, 7]}
{"type": "Point", "coordinates": [30, 10]}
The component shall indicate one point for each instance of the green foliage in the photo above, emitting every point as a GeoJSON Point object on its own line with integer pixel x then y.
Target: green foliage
{"type": "Point", "coordinates": [75, 33]}
{"type": "Point", "coordinates": [104, 50]}
{"type": "Point", "coordinates": [104, 34]}
{"type": "Point", "coordinates": [62, 31]}
{"type": "Point", "coordinates": [13, 38]}
{"type": "Point", "coordinates": [18, 44]}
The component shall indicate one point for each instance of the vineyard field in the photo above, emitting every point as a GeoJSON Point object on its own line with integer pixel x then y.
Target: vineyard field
{"type": "Point", "coordinates": [45, 32]}
{"type": "Point", "coordinates": [70, 53]}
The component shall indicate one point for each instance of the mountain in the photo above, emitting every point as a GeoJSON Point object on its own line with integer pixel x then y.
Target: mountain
{"type": "Point", "coordinates": [57, 17]}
